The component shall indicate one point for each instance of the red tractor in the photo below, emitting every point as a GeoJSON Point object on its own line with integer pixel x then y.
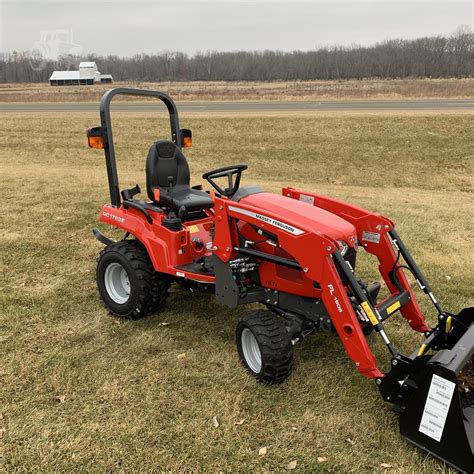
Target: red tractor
{"type": "Point", "coordinates": [295, 254]}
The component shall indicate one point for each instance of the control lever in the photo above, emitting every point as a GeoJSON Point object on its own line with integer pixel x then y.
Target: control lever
{"type": "Point", "coordinates": [128, 194]}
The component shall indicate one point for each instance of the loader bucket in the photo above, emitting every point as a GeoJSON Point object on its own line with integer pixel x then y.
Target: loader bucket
{"type": "Point", "coordinates": [439, 418]}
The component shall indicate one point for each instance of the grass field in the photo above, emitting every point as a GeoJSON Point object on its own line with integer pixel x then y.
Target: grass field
{"type": "Point", "coordinates": [278, 90]}
{"type": "Point", "coordinates": [82, 391]}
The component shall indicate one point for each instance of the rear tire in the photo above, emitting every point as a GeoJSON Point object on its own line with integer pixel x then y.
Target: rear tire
{"type": "Point", "coordinates": [128, 284]}
{"type": "Point", "coordinates": [264, 346]}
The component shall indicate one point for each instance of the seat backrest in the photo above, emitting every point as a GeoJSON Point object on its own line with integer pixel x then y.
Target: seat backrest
{"type": "Point", "coordinates": [165, 159]}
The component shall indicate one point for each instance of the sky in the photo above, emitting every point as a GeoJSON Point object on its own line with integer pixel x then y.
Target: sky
{"type": "Point", "coordinates": [126, 27]}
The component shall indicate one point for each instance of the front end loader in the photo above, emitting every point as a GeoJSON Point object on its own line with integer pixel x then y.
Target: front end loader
{"type": "Point", "coordinates": [294, 254]}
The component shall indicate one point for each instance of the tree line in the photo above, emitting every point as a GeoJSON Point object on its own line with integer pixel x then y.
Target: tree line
{"type": "Point", "coordinates": [435, 56]}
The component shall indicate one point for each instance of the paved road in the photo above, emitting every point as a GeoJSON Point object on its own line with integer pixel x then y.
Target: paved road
{"type": "Point", "coordinates": [257, 106]}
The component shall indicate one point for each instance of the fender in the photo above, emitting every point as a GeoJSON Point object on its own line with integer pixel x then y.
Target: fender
{"type": "Point", "coordinates": [132, 221]}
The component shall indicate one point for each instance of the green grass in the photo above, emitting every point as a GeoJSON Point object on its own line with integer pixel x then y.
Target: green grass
{"type": "Point", "coordinates": [130, 403]}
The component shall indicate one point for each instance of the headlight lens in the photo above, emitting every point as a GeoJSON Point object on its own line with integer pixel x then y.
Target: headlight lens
{"type": "Point", "coordinates": [343, 247]}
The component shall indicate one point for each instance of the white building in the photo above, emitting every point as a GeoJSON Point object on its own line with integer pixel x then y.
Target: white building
{"type": "Point", "coordinates": [86, 76]}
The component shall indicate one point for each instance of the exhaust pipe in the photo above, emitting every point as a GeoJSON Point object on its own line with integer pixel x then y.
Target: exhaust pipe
{"type": "Point", "coordinates": [436, 413]}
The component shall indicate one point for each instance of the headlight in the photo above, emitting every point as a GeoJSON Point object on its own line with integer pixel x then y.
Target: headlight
{"type": "Point", "coordinates": [343, 247]}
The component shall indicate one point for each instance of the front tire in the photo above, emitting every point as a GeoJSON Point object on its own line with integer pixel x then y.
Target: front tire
{"type": "Point", "coordinates": [127, 283]}
{"type": "Point", "coordinates": [264, 346]}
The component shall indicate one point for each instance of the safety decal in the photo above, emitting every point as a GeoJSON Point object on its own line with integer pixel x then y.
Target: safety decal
{"type": "Point", "coordinates": [370, 314]}
{"type": "Point", "coordinates": [393, 307]}
{"type": "Point", "coordinates": [373, 237]}
{"type": "Point", "coordinates": [306, 198]}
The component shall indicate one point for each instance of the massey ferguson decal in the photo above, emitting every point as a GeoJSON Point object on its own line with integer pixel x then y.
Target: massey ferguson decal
{"type": "Point", "coordinates": [268, 220]}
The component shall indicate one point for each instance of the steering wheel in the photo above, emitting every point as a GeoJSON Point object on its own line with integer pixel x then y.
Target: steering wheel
{"type": "Point", "coordinates": [230, 172]}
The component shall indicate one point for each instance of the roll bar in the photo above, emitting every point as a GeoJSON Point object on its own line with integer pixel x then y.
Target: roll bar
{"type": "Point", "coordinates": [106, 131]}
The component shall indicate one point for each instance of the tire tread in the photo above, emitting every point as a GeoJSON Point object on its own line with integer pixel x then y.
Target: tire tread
{"type": "Point", "coordinates": [152, 286]}
{"type": "Point", "coordinates": [274, 342]}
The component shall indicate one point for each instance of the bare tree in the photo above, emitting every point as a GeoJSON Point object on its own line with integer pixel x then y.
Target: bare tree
{"type": "Point", "coordinates": [436, 56]}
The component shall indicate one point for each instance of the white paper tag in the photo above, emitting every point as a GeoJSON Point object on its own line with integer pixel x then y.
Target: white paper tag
{"type": "Point", "coordinates": [437, 407]}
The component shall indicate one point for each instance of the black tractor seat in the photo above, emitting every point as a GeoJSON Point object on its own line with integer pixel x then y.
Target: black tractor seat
{"type": "Point", "coordinates": [191, 199]}
{"type": "Point", "coordinates": [165, 160]}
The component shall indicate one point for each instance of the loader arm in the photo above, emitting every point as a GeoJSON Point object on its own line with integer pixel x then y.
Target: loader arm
{"type": "Point", "coordinates": [373, 233]}
{"type": "Point", "coordinates": [318, 264]}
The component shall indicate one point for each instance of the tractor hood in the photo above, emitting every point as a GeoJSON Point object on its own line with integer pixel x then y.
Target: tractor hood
{"type": "Point", "coordinates": [301, 214]}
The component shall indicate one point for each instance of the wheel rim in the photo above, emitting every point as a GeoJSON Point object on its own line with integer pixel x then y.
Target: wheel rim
{"type": "Point", "coordinates": [117, 283]}
{"type": "Point", "coordinates": [251, 351]}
